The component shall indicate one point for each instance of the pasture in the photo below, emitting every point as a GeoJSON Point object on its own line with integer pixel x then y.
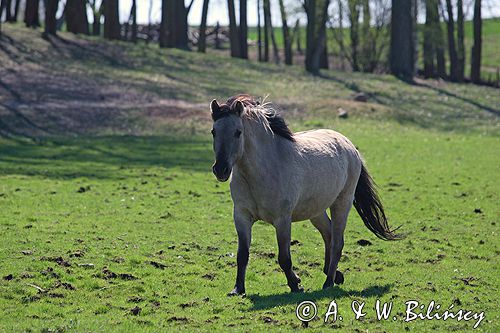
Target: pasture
{"type": "Point", "coordinates": [111, 219]}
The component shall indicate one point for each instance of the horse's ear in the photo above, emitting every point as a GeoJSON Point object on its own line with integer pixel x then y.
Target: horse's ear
{"type": "Point", "coordinates": [214, 106]}
{"type": "Point", "coordinates": [238, 108]}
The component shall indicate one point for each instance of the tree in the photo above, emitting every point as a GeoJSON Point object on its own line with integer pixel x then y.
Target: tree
{"type": "Point", "coordinates": [96, 13]}
{"type": "Point", "coordinates": [460, 42]}
{"type": "Point", "coordinates": [354, 32]}
{"type": "Point", "coordinates": [16, 10]}
{"type": "Point", "coordinates": [450, 24]}
{"type": "Point", "coordinates": [132, 20]}
{"type": "Point", "coordinates": [287, 38]}
{"type": "Point", "coordinates": [76, 16]}
{"type": "Point", "coordinates": [402, 52]}
{"type": "Point", "coordinates": [243, 30]}
{"type": "Point", "coordinates": [174, 25]}
{"type": "Point", "coordinates": [50, 17]}
{"type": "Point", "coordinates": [475, 66]}
{"type": "Point", "coordinates": [317, 15]}
{"type": "Point", "coordinates": [430, 38]}
{"type": "Point", "coordinates": [112, 28]}
{"type": "Point", "coordinates": [7, 6]}
{"type": "Point", "coordinates": [203, 27]}
{"type": "Point", "coordinates": [267, 22]}
{"type": "Point", "coordinates": [31, 18]}
{"type": "Point", "coordinates": [233, 30]}
{"type": "Point", "coordinates": [259, 34]}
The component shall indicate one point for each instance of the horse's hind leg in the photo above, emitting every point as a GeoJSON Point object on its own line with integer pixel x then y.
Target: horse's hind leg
{"type": "Point", "coordinates": [284, 234]}
{"type": "Point", "coordinates": [339, 210]}
{"type": "Point", "coordinates": [323, 224]}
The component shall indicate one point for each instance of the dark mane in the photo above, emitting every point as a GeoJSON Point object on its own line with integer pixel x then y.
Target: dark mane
{"type": "Point", "coordinates": [276, 122]}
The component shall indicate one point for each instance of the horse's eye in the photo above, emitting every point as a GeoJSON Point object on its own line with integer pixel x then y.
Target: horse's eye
{"type": "Point", "coordinates": [213, 132]}
{"type": "Point", "coordinates": [237, 134]}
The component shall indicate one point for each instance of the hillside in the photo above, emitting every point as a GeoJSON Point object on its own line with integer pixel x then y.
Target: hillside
{"type": "Point", "coordinates": [83, 85]}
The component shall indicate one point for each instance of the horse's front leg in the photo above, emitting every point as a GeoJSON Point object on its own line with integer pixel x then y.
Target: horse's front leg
{"type": "Point", "coordinates": [243, 223]}
{"type": "Point", "coordinates": [284, 233]}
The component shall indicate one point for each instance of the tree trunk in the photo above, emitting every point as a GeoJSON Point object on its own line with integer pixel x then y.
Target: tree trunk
{"type": "Point", "coordinates": [475, 66]}
{"type": "Point", "coordinates": [316, 33]}
{"type": "Point", "coordinates": [297, 36]}
{"type": "Point", "coordinates": [460, 42]}
{"type": "Point", "coordinates": [451, 42]}
{"type": "Point", "coordinates": [402, 51]}
{"type": "Point", "coordinates": [430, 45]}
{"type": "Point", "coordinates": [31, 18]}
{"type": "Point", "coordinates": [112, 28]}
{"type": "Point", "coordinates": [133, 13]}
{"type": "Point", "coordinates": [259, 35]}
{"type": "Point", "coordinates": [50, 17]}
{"type": "Point", "coordinates": [267, 23]}
{"type": "Point", "coordinates": [16, 10]}
{"type": "Point", "coordinates": [202, 38]}
{"type": "Point", "coordinates": [174, 26]}
{"type": "Point", "coordinates": [2, 5]}
{"type": "Point", "coordinates": [323, 58]}
{"type": "Point", "coordinates": [366, 39]}
{"type": "Point", "coordinates": [96, 12]}
{"type": "Point", "coordinates": [243, 30]}
{"type": "Point", "coordinates": [276, 53]}
{"type": "Point", "coordinates": [286, 35]}
{"type": "Point", "coordinates": [8, 10]}
{"type": "Point", "coordinates": [354, 32]}
{"type": "Point", "coordinates": [233, 30]}
{"type": "Point", "coordinates": [76, 17]}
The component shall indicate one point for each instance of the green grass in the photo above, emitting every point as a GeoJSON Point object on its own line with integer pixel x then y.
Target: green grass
{"type": "Point", "coordinates": [147, 208]}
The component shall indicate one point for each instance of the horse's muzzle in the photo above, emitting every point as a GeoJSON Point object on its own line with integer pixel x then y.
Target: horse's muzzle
{"type": "Point", "coordinates": [222, 171]}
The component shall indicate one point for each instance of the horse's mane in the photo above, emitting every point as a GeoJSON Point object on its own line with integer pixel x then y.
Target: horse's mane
{"type": "Point", "coordinates": [262, 112]}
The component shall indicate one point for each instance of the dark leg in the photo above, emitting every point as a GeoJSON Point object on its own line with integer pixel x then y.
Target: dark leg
{"type": "Point", "coordinates": [340, 211]}
{"type": "Point", "coordinates": [283, 234]}
{"type": "Point", "coordinates": [243, 225]}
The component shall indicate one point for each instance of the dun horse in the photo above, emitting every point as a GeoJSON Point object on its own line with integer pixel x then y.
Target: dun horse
{"type": "Point", "coordinates": [281, 177]}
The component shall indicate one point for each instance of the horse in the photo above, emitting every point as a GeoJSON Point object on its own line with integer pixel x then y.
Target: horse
{"type": "Point", "coordinates": [281, 177]}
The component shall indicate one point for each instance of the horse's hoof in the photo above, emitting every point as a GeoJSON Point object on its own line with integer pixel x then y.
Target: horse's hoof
{"type": "Point", "coordinates": [339, 277]}
{"type": "Point", "coordinates": [236, 292]}
{"type": "Point", "coordinates": [328, 283]}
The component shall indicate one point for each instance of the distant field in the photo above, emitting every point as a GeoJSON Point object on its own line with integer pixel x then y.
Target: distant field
{"type": "Point", "coordinates": [111, 220]}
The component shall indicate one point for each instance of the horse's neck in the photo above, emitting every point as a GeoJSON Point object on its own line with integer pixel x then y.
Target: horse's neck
{"type": "Point", "coordinates": [260, 151]}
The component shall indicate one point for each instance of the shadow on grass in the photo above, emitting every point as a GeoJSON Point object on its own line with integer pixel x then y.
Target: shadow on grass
{"type": "Point", "coordinates": [270, 301]}
{"type": "Point", "coordinates": [103, 157]}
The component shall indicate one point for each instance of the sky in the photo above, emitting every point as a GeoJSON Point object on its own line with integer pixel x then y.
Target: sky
{"type": "Point", "coordinates": [218, 10]}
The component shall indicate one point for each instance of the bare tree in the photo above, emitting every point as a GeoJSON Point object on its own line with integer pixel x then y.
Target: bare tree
{"type": "Point", "coordinates": [16, 10]}
{"type": "Point", "coordinates": [267, 23]}
{"type": "Point", "coordinates": [450, 23]}
{"type": "Point", "coordinates": [233, 30]}
{"type": "Point", "coordinates": [203, 28]}
{"type": "Point", "coordinates": [97, 13]}
{"type": "Point", "coordinates": [50, 17]}
{"type": "Point", "coordinates": [111, 20]}
{"type": "Point", "coordinates": [76, 16]}
{"type": "Point", "coordinates": [317, 15]}
{"type": "Point", "coordinates": [353, 6]}
{"type": "Point", "coordinates": [402, 52]}
{"type": "Point", "coordinates": [475, 66]}
{"type": "Point", "coordinates": [287, 38]}
{"type": "Point", "coordinates": [460, 42]}
{"type": "Point", "coordinates": [31, 18]}
{"type": "Point", "coordinates": [174, 24]}
{"type": "Point", "coordinates": [243, 30]}
{"type": "Point", "coordinates": [259, 34]}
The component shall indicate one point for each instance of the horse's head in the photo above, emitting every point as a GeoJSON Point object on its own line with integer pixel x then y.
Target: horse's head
{"type": "Point", "coordinates": [228, 139]}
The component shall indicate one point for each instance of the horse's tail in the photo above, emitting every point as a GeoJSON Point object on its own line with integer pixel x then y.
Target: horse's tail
{"type": "Point", "coordinates": [369, 207]}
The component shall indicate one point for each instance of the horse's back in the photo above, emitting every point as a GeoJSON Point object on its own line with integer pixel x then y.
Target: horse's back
{"type": "Point", "coordinates": [328, 164]}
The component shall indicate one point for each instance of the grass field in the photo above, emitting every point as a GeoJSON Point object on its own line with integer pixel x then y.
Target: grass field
{"type": "Point", "coordinates": [112, 221]}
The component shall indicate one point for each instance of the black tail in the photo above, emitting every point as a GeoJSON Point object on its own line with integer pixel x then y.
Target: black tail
{"type": "Point", "coordinates": [370, 208]}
